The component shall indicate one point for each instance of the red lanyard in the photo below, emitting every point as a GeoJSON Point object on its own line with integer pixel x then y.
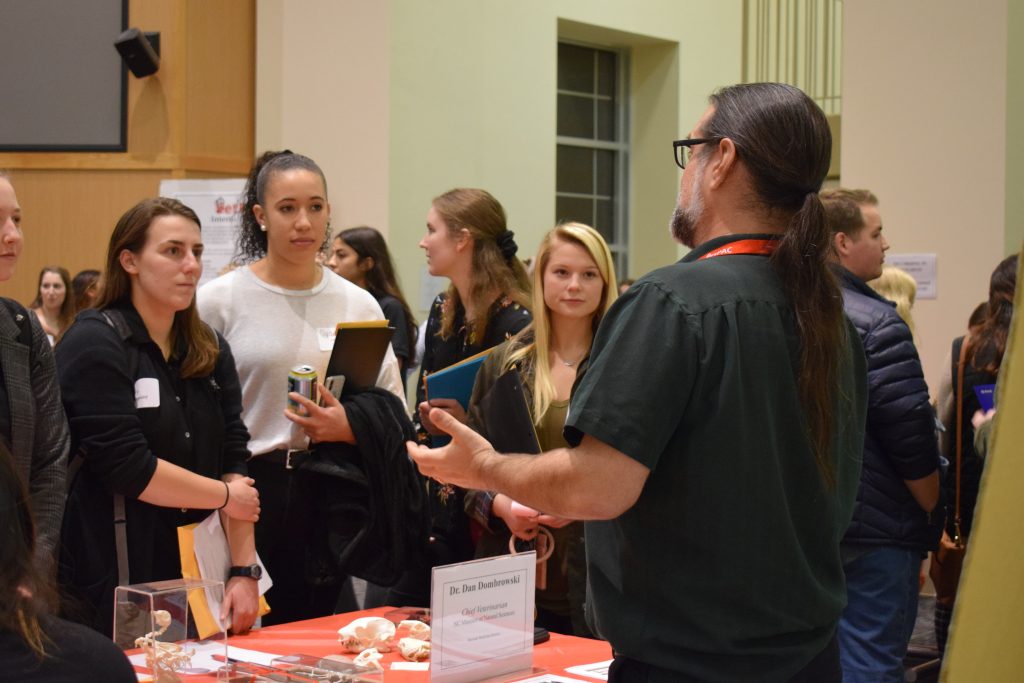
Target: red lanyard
{"type": "Point", "coordinates": [759, 247]}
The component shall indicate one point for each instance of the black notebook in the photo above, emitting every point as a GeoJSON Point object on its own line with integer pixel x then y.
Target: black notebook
{"type": "Point", "coordinates": [358, 353]}
{"type": "Point", "coordinates": [507, 416]}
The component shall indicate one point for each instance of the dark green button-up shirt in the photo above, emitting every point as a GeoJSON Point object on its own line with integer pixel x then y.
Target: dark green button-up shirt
{"type": "Point", "coordinates": [727, 567]}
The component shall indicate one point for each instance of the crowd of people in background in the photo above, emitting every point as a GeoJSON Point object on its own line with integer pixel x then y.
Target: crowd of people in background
{"type": "Point", "coordinates": [133, 402]}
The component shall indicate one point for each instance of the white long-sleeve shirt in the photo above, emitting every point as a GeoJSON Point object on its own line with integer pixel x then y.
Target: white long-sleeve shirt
{"type": "Point", "coordinates": [271, 330]}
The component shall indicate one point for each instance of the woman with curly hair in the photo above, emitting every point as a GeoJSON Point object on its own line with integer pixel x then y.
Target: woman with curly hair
{"type": "Point", "coordinates": [279, 311]}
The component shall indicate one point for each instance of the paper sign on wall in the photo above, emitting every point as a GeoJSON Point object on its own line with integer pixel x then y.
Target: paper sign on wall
{"type": "Point", "coordinates": [219, 205]}
{"type": "Point", "coordinates": [482, 618]}
{"type": "Point", "coordinates": [921, 267]}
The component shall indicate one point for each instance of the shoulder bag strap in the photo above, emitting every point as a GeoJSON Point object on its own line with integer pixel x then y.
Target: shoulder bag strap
{"type": "Point", "coordinates": [116, 320]}
{"type": "Point", "coordinates": [957, 538]}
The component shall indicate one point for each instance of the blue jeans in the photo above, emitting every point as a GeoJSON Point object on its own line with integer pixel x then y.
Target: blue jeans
{"type": "Point", "coordinates": [881, 593]}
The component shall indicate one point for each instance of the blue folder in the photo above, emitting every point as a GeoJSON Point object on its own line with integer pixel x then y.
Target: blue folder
{"type": "Point", "coordinates": [986, 395]}
{"type": "Point", "coordinates": [455, 381]}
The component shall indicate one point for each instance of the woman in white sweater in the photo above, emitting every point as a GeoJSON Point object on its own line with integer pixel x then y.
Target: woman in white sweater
{"type": "Point", "coordinates": [279, 311]}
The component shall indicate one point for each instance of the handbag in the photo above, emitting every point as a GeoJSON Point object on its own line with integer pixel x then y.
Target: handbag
{"type": "Point", "coordinates": [948, 559]}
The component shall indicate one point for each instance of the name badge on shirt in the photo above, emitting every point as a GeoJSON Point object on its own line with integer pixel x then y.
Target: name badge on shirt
{"type": "Point", "coordinates": [325, 337]}
{"type": "Point", "coordinates": [147, 392]}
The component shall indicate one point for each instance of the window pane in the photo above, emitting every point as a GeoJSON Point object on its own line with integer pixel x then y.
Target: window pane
{"type": "Point", "coordinates": [575, 170]}
{"type": "Point", "coordinates": [605, 172]}
{"type": "Point", "coordinates": [575, 116]}
{"type": "Point", "coordinates": [606, 71]}
{"type": "Point", "coordinates": [606, 120]}
{"type": "Point", "coordinates": [605, 219]}
{"type": "Point", "coordinates": [575, 68]}
{"type": "Point", "coordinates": [574, 209]}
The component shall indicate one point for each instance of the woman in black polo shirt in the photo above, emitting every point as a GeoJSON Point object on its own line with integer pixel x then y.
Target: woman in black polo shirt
{"type": "Point", "coordinates": [153, 404]}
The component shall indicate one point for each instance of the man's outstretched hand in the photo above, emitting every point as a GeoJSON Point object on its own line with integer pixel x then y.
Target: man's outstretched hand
{"type": "Point", "coordinates": [462, 462]}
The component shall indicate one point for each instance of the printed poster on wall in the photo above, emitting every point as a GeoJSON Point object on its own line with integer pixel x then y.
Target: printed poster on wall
{"type": "Point", "coordinates": [219, 205]}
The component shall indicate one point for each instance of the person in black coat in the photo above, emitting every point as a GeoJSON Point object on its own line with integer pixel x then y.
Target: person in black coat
{"type": "Point", "coordinates": [893, 527]}
{"type": "Point", "coordinates": [154, 406]}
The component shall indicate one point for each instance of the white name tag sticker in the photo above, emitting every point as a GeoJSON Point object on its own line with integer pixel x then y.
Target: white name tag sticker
{"type": "Point", "coordinates": [147, 392]}
{"type": "Point", "coordinates": [325, 337]}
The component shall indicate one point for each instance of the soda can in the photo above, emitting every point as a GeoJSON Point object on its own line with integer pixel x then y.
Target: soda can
{"type": "Point", "coordinates": [301, 380]}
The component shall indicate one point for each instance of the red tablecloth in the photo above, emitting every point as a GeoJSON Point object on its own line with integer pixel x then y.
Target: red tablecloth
{"type": "Point", "coordinates": [319, 637]}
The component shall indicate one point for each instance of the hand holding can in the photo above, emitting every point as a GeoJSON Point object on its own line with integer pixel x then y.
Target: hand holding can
{"type": "Point", "coordinates": [301, 380]}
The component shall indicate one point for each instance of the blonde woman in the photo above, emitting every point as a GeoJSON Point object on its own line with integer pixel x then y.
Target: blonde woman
{"type": "Point", "coordinates": [573, 287]}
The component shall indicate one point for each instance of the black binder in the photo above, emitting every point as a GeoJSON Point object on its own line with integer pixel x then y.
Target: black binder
{"type": "Point", "coordinates": [357, 356]}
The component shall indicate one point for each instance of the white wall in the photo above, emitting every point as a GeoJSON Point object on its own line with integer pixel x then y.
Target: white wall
{"type": "Point", "coordinates": [924, 127]}
{"type": "Point", "coordinates": [401, 100]}
{"type": "Point", "coordinates": [323, 90]}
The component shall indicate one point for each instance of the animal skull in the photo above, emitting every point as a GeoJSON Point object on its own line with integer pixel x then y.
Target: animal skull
{"type": "Point", "coordinates": [368, 632]}
{"type": "Point", "coordinates": [414, 649]}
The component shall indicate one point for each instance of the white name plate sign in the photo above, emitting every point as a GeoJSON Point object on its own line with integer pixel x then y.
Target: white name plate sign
{"type": "Point", "coordinates": [482, 618]}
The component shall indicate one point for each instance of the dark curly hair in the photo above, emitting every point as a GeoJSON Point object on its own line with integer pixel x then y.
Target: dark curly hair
{"type": "Point", "coordinates": [252, 241]}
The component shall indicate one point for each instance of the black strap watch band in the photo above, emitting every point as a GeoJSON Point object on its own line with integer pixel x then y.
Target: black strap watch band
{"type": "Point", "coordinates": [251, 571]}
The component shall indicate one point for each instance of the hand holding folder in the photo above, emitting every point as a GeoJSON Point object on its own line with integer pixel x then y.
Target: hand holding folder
{"type": "Point", "coordinates": [454, 383]}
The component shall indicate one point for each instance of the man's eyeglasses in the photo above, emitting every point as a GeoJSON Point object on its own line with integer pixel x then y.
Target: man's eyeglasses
{"type": "Point", "coordinates": [682, 149]}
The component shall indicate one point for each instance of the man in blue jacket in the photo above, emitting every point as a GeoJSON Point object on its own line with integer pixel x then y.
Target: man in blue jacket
{"type": "Point", "coordinates": [893, 527]}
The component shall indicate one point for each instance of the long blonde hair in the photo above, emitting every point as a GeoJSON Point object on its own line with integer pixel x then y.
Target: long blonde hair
{"type": "Point", "coordinates": [530, 346]}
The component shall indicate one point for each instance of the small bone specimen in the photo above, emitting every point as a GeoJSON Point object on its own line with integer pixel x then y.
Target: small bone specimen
{"type": "Point", "coordinates": [164, 659]}
{"type": "Point", "coordinates": [370, 657]}
{"type": "Point", "coordinates": [415, 629]}
{"type": "Point", "coordinates": [414, 649]}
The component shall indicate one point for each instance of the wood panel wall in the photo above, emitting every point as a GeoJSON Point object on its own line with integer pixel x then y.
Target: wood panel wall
{"type": "Point", "coordinates": [194, 118]}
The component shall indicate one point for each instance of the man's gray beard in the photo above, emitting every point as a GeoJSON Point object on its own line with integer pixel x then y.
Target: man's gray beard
{"type": "Point", "coordinates": [683, 226]}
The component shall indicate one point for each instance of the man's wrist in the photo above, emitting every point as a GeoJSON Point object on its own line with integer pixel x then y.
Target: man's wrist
{"type": "Point", "coordinates": [486, 462]}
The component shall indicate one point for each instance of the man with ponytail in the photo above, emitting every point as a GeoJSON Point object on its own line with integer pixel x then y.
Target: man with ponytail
{"type": "Point", "coordinates": [715, 439]}
{"type": "Point", "coordinates": [893, 527]}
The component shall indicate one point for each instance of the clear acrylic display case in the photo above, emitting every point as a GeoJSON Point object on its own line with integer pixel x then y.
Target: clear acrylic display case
{"type": "Point", "coordinates": [171, 627]}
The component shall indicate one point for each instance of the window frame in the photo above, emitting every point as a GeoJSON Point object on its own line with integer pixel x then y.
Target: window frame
{"type": "Point", "coordinates": [619, 244]}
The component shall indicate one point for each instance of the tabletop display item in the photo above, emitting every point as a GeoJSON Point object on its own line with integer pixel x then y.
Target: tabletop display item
{"type": "Point", "coordinates": [370, 637]}
{"type": "Point", "coordinates": [303, 669]}
{"type": "Point", "coordinates": [165, 622]}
